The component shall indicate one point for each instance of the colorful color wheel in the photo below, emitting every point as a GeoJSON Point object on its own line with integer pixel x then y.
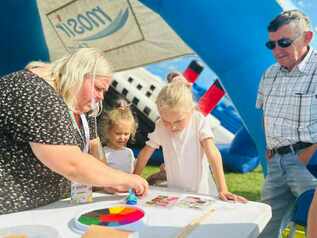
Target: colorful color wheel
{"type": "Point", "coordinates": [112, 216]}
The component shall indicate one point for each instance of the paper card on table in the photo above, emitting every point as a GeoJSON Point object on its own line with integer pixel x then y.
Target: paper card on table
{"type": "Point", "coordinates": [96, 231]}
{"type": "Point", "coordinates": [162, 201]}
{"type": "Point", "coordinates": [195, 202]}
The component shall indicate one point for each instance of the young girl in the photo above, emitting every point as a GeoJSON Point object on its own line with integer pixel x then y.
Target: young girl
{"type": "Point", "coordinates": [117, 126]}
{"type": "Point", "coordinates": [186, 139]}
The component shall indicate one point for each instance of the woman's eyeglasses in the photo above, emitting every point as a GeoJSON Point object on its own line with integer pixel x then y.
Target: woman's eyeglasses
{"type": "Point", "coordinates": [283, 43]}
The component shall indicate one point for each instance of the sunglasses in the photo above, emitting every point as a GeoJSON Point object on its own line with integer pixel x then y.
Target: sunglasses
{"type": "Point", "coordinates": [283, 43]}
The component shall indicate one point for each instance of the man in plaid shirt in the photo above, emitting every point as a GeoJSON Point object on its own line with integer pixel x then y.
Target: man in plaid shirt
{"type": "Point", "coordinates": [287, 96]}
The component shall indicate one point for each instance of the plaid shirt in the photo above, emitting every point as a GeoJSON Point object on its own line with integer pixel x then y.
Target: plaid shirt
{"type": "Point", "coordinates": [289, 103]}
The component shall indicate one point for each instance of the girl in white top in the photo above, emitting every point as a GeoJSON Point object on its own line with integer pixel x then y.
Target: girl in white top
{"type": "Point", "coordinates": [117, 126]}
{"type": "Point", "coordinates": [186, 139]}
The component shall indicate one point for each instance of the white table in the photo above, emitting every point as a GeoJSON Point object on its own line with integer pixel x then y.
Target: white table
{"type": "Point", "coordinates": [232, 220]}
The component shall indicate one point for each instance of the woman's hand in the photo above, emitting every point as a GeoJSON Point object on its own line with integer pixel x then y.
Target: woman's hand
{"type": "Point", "coordinates": [110, 190]}
{"type": "Point", "coordinates": [133, 181]}
{"type": "Point", "coordinates": [227, 196]}
{"type": "Point", "coordinates": [139, 185]}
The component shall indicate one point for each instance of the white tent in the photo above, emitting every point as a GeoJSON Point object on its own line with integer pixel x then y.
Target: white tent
{"type": "Point", "coordinates": [130, 34]}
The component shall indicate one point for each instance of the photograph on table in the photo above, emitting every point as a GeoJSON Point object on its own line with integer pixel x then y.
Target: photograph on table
{"type": "Point", "coordinates": [195, 202]}
{"type": "Point", "coordinates": [163, 201]}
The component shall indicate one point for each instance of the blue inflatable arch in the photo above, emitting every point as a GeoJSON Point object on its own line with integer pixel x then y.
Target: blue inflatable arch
{"type": "Point", "coordinates": [22, 38]}
{"type": "Point", "coordinates": [228, 35]}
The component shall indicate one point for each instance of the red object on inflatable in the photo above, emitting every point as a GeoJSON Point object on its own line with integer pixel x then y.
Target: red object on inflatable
{"type": "Point", "coordinates": [210, 99]}
{"type": "Point", "coordinates": [193, 70]}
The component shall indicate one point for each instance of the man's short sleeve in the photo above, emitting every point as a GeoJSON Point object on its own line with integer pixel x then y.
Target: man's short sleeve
{"type": "Point", "coordinates": [260, 95]}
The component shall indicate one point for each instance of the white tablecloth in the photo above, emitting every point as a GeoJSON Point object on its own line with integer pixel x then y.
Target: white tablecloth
{"type": "Point", "coordinates": [229, 220]}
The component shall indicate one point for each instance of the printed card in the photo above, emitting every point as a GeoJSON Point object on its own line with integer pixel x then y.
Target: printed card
{"type": "Point", "coordinates": [162, 201]}
{"type": "Point", "coordinates": [195, 202]}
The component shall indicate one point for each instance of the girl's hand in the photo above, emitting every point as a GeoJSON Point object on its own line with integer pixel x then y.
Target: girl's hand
{"type": "Point", "coordinates": [156, 178]}
{"type": "Point", "coordinates": [227, 196]}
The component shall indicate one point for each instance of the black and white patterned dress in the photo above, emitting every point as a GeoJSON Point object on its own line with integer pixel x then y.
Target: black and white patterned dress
{"type": "Point", "coordinates": [31, 111]}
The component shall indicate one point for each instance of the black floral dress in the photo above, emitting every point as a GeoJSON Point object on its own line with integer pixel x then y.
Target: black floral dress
{"type": "Point", "coordinates": [31, 111]}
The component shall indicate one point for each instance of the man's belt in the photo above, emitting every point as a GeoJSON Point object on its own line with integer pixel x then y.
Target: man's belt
{"type": "Point", "coordinates": [289, 148]}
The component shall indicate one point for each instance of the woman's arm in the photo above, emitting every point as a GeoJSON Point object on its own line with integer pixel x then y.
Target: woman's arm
{"type": "Point", "coordinates": [70, 162]}
{"type": "Point", "coordinates": [312, 219]}
{"type": "Point", "coordinates": [143, 158]}
{"type": "Point", "coordinates": [215, 161]}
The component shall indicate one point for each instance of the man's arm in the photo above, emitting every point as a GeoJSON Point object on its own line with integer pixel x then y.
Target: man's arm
{"type": "Point", "coordinates": [312, 219]}
{"type": "Point", "coordinates": [307, 153]}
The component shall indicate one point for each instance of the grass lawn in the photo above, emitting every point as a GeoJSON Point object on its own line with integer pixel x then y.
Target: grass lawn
{"type": "Point", "coordinates": [248, 185]}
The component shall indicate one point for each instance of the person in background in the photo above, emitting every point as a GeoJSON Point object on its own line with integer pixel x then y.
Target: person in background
{"type": "Point", "coordinates": [116, 127]}
{"type": "Point", "coordinates": [40, 145]}
{"type": "Point", "coordinates": [287, 97]}
{"type": "Point", "coordinates": [186, 140]}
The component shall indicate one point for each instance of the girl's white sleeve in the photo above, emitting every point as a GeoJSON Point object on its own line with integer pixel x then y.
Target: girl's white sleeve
{"type": "Point", "coordinates": [205, 125]}
{"type": "Point", "coordinates": [155, 137]}
{"type": "Point", "coordinates": [106, 154]}
{"type": "Point", "coordinates": [132, 160]}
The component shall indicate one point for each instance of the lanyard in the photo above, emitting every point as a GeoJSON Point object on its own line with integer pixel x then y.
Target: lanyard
{"type": "Point", "coordinates": [86, 137]}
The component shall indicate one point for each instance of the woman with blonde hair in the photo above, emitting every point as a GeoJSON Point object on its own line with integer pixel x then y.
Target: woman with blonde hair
{"type": "Point", "coordinates": [43, 131]}
{"type": "Point", "coordinates": [67, 75]}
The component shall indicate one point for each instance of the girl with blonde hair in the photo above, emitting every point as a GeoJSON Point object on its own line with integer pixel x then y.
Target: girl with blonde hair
{"type": "Point", "coordinates": [116, 127]}
{"type": "Point", "coordinates": [43, 131]}
{"type": "Point", "coordinates": [186, 139]}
